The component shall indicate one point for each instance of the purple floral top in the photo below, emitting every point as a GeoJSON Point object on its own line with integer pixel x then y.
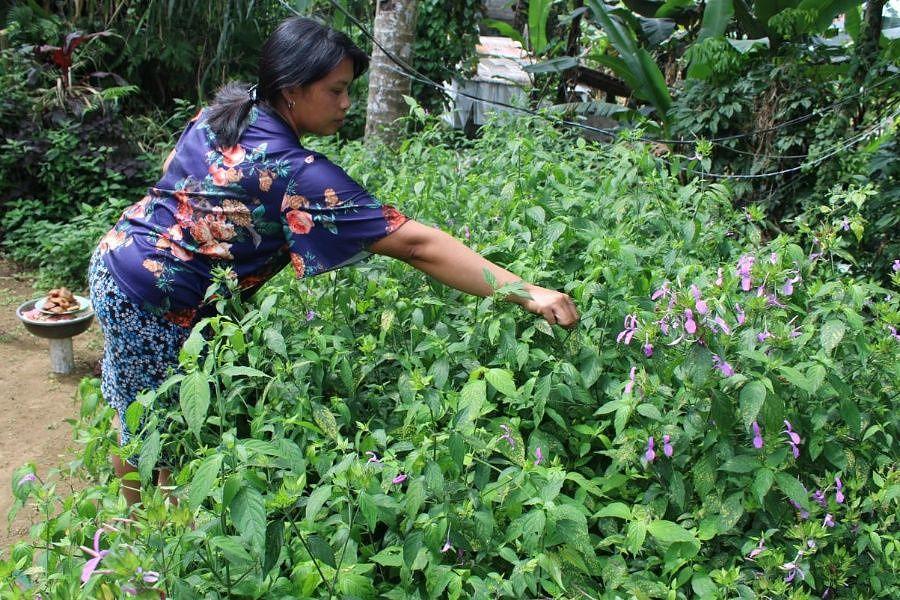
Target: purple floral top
{"type": "Point", "coordinates": [253, 207]}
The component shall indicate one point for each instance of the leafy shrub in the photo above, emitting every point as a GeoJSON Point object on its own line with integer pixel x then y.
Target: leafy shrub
{"type": "Point", "coordinates": [719, 424]}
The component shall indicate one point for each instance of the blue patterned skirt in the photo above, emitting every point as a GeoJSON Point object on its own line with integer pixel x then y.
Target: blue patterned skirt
{"type": "Point", "coordinates": [140, 349]}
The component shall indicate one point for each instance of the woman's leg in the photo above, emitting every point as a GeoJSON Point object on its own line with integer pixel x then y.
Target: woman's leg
{"type": "Point", "coordinates": [131, 488]}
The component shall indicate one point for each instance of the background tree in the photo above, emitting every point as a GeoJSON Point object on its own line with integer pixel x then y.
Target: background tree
{"type": "Point", "coordinates": [395, 26]}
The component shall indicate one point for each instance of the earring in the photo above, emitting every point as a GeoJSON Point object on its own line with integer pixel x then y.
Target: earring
{"type": "Point", "coordinates": [290, 104]}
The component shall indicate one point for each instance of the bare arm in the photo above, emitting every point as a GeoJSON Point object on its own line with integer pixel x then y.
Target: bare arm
{"type": "Point", "coordinates": [452, 263]}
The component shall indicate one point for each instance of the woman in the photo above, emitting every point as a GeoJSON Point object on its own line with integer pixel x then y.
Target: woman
{"type": "Point", "coordinates": [239, 190]}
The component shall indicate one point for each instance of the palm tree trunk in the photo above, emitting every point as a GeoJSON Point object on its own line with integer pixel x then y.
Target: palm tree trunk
{"type": "Point", "coordinates": [395, 27]}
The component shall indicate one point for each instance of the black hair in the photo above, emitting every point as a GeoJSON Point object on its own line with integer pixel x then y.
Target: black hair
{"type": "Point", "coordinates": [300, 51]}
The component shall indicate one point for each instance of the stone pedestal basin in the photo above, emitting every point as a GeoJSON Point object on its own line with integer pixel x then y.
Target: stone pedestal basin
{"type": "Point", "coordinates": [58, 329]}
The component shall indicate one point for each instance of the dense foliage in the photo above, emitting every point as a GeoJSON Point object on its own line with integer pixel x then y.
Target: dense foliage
{"type": "Point", "coordinates": [720, 424]}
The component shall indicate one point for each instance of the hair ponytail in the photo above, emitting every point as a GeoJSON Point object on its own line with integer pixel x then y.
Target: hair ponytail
{"type": "Point", "coordinates": [300, 51]}
{"type": "Point", "coordinates": [229, 112]}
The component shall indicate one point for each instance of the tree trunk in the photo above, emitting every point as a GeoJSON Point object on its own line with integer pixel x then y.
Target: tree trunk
{"type": "Point", "coordinates": [871, 32]}
{"type": "Point", "coordinates": [395, 27]}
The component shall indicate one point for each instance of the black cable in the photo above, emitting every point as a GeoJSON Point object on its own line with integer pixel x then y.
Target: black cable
{"type": "Point", "coordinates": [413, 74]}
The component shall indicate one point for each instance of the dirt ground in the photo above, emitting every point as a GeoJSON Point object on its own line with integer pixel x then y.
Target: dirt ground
{"type": "Point", "coordinates": [34, 403]}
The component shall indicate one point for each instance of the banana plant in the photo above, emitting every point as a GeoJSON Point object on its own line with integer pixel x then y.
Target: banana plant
{"type": "Point", "coordinates": [633, 64]}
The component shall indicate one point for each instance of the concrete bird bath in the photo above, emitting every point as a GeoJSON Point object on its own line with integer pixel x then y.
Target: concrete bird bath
{"type": "Point", "coordinates": [58, 329]}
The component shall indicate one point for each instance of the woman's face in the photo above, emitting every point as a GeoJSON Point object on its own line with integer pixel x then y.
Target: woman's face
{"type": "Point", "coordinates": [320, 107]}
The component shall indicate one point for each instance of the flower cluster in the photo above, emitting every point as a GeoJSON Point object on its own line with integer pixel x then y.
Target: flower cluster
{"type": "Point", "coordinates": [668, 450]}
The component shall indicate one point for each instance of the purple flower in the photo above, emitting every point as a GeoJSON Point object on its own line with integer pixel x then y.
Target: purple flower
{"type": "Point", "coordinates": [741, 317]}
{"type": "Point", "coordinates": [788, 288]}
{"type": "Point", "coordinates": [373, 458]}
{"type": "Point", "coordinates": [795, 332]}
{"type": "Point", "coordinates": [719, 277]}
{"type": "Point", "coordinates": [628, 332]}
{"type": "Point", "coordinates": [400, 478]}
{"type": "Point", "coordinates": [839, 493]}
{"type": "Point", "coordinates": [745, 263]}
{"type": "Point", "coordinates": [773, 258]}
{"type": "Point", "coordinates": [648, 349]}
{"type": "Point", "coordinates": [650, 454]}
{"type": "Point", "coordinates": [662, 291]}
{"type": "Point", "coordinates": [667, 446]}
{"type": "Point", "coordinates": [689, 324]}
{"type": "Point", "coordinates": [539, 456]}
{"type": "Point", "coordinates": [896, 266]}
{"type": "Point", "coordinates": [726, 369]}
{"type": "Point", "coordinates": [793, 570]}
{"type": "Point", "coordinates": [757, 436]}
{"type": "Point", "coordinates": [763, 335]}
{"type": "Point", "coordinates": [446, 547]}
{"type": "Point", "coordinates": [804, 514]}
{"type": "Point", "coordinates": [894, 333]}
{"type": "Point", "coordinates": [467, 232]}
{"type": "Point", "coordinates": [758, 550]}
{"type": "Point", "coordinates": [97, 555]}
{"type": "Point", "coordinates": [793, 439]}
{"type": "Point", "coordinates": [721, 323]}
{"type": "Point", "coordinates": [27, 478]}
{"type": "Point", "coordinates": [630, 385]}
{"type": "Point", "coordinates": [663, 326]}
{"type": "Point", "coordinates": [147, 576]}
{"type": "Point", "coordinates": [845, 224]}
{"type": "Point", "coordinates": [819, 498]}
{"type": "Point", "coordinates": [828, 521]}
{"type": "Point", "coordinates": [507, 436]}
{"type": "Point", "coordinates": [310, 315]}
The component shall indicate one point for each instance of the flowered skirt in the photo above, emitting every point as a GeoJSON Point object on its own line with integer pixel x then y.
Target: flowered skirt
{"type": "Point", "coordinates": [140, 349]}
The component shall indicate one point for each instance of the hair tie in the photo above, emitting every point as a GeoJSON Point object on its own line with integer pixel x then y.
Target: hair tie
{"type": "Point", "coordinates": [251, 91]}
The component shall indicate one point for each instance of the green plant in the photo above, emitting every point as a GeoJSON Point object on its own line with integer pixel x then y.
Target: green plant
{"type": "Point", "coordinates": [369, 433]}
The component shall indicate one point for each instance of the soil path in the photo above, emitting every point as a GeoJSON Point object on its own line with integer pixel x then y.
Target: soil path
{"type": "Point", "coordinates": [34, 403]}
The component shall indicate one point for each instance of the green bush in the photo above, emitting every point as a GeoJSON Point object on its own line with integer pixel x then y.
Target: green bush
{"type": "Point", "coordinates": [369, 433]}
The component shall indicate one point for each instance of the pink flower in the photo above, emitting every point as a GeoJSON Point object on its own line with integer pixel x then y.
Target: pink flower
{"type": "Point", "coordinates": [446, 547]}
{"type": "Point", "coordinates": [373, 458]}
{"type": "Point", "coordinates": [839, 493]}
{"type": "Point", "coordinates": [97, 555]}
{"type": "Point", "coordinates": [627, 333]}
{"type": "Point", "coordinates": [721, 323]}
{"type": "Point", "coordinates": [773, 258]}
{"type": "Point", "coordinates": [757, 436]}
{"type": "Point", "coordinates": [689, 324]}
{"type": "Point", "coordinates": [27, 478]}
{"type": "Point", "coordinates": [819, 498]}
{"type": "Point", "coordinates": [793, 439]}
{"type": "Point", "coordinates": [788, 288]}
{"type": "Point", "coordinates": [539, 456]}
{"type": "Point", "coordinates": [741, 317]}
{"type": "Point", "coordinates": [896, 265]}
{"type": "Point", "coordinates": [758, 550]}
{"type": "Point", "coordinates": [507, 436]}
{"type": "Point", "coordinates": [399, 479]}
{"type": "Point", "coordinates": [745, 263]}
{"type": "Point", "coordinates": [828, 521]}
{"type": "Point", "coordinates": [648, 349]}
{"type": "Point", "coordinates": [667, 446]}
{"type": "Point", "coordinates": [762, 336]}
{"type": "Point", "coordinates": [630, 385]}
{"type": "Point", "coordinates": [662, 291]}
{"type": "Point", "coordinates": [719, 277]}
{"type": "Point", "coordinates": [726, 369]}
{"type": "Point", "coordinates": [650, 454]}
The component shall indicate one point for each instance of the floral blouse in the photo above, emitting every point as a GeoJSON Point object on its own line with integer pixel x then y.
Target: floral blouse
{"type": "Point", "coordinates": [254, 207]}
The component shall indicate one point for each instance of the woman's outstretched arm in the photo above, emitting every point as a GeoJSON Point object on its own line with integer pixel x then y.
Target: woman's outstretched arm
{"type": "Point", "coordinates": [453, 263]}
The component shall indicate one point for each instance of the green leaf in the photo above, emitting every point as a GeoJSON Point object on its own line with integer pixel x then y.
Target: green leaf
{"type": "Point", "coordinates": [204, 479]}
{"type": "Point", "coordinates": [635, 536]}
{"type": "Point", "coordinates": [615, 509]}
{"type": "Point", "coordinates": [831, 335]}
{"type": "Point", "coordinates": [249, 513]}
{"type": "Point", "coordinates": [743, 463]}
{"type": "Point", "coordinates": [193, 396]}
{"type": "Point", "coordinates": [274, 542]}
{"type": "Point", "coordinates": [716, 17]}
{"type": "Point", "coordinates": [792, 489]}
{"type": "Point", "coordinates": [275, 341]}
{"type": "Point", "coordinates": [150, 451]}
{"type": "Point", "coordinates": [320, 550]}
{"type": "Point", "coordinates": [411, 547]}
{"type": "Point", "coordinates": [316, 501]}
{"type": "Point", "coordinates": [325, 420]}
{"type": "Point", "coordinates": [850, 415]}
{"type": "Point", "coordinates": [392, 556]}
{"type": "Point", "coordinates": [751, 399]}
{"type": "Point", "coordinates": [502, 381]}
{"type": "Point", "coordinates": [237, 370]}
{"type": "Point", "coordinates": [232, 549]}
{"type": "Point", "coordinates": [649, 411]}
{"type": "Point", "coordinates": [796, 378]}
{"type": "Point", "coordinates": [667, 531]}
{"type": "Point", "coordinates": [762, 482]}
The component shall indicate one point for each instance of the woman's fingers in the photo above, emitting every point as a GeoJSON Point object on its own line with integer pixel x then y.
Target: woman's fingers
{"type": "Point", "coordinates": [555, 307]}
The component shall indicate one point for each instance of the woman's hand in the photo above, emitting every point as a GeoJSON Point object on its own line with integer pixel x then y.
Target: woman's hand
{"type": "Point", "coordinates": [449, 261]}
{"type": "Point", "coordinates": [557, 308]}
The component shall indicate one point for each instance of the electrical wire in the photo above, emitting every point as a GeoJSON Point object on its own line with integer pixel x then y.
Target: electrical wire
{"type": "Point", "coordinates": [411, 73]}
